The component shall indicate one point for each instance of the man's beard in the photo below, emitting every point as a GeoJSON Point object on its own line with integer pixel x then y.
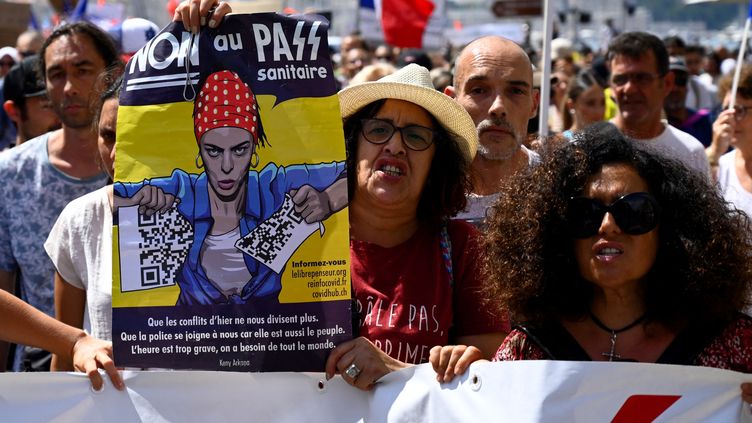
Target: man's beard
{"type": "Point", "coordinates": [503, 155]}
{"type": "Point", "coordinates": [70, 121]}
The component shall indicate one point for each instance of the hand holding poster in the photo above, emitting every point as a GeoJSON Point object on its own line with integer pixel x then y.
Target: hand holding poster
{"type": "Point", "coordinates": [230, 157]}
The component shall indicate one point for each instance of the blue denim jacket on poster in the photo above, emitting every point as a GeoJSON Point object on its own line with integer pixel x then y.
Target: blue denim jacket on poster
{"type": "Point", "coordinates": [265, 195]}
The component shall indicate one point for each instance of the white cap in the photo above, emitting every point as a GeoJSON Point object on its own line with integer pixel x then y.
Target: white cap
{"type": "Point", "coordinates": [561, 48]}
{"type": "Point", "coordinates": [10, 51]}
{"type": "Point", "coordinates": [727, 66]}
{"type": "Point", "coordinates": [135, 33]}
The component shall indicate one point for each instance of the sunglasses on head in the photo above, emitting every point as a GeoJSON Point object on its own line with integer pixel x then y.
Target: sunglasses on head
{"type": "Point", "coordinates": [635, 213]}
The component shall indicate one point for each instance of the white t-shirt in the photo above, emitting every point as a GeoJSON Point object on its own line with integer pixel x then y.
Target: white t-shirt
{"type": "Point", "coordinates": [730, 186]}
{"type": "Point", "coordinates": [681, 146]}
{"type": "Point", "coordinates": [477, 205]}
{"type": "Point", "coordinates": [80, 247]}
{"type": "Point", "coordinates": [227, 269]}
{"type": "Point", "coordinates": [699, 94]}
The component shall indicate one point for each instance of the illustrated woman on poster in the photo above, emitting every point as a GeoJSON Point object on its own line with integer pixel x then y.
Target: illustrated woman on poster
{"type": "Point", "coordinates": [227, 200]}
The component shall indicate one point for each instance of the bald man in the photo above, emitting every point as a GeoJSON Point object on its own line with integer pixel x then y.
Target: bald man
{"type": "Point", "coordinates": [29, 43]}
{"type": "Point", "coordinates": [493, 81]}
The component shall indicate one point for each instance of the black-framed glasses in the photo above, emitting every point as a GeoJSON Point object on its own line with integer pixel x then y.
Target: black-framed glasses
{"type": "Point", "coordinates": [641, 79]}
{"type": "Point", "coordinates": [7, 63]}
{"type": "Point", "coordinates": [740, 112]}
{"type": "Point", "coordinates": [379, 131]}
{"type": "Point", "coordinates": [636, 214]}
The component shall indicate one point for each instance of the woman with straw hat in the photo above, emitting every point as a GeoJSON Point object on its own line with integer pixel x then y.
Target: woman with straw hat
{"type": "Point", "coordinates": [414, 272]}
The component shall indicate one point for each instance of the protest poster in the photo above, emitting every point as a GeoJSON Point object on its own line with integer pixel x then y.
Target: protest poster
{"type": "Point", "coordinates": [230, 235]}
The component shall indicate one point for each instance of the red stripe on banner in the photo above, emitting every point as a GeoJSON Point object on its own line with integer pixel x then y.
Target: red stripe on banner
{"type": "Point", "coordinates": [644, 408]}
{"type": "Point", "coordinates": [404, 21]}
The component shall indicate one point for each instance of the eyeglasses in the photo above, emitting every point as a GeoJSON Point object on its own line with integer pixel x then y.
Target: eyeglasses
{"type": "Point", "coordinates": [740, 112]}
{"type": "Point", "coordinates": [7, 63]}
{"type": "Point", "coordinates": [415, 137]}
{"type": "Point", "coordinates": [641, 79]}
{"type": "Point", "coordinates": [635, 213]}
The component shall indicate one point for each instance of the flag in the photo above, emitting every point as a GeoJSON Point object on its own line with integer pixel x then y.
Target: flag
{"type": "Point", "coordinates": [67, 7]}
{"type": "Point", "coordinates": [405, 21]}
{"type": "Point", "coordinates": [33, 24]}
{"type": "Point", "coordinates": [79, 13]}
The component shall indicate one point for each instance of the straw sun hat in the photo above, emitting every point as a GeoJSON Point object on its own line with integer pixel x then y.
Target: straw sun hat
{"type": "Point", "coordinates": [413, 83]}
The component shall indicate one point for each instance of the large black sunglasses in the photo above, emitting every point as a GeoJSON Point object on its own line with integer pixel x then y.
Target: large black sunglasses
{"type": "Point", "coordinates": [635, 213]}
{"type": "Point", "coordinates": [379, 131]}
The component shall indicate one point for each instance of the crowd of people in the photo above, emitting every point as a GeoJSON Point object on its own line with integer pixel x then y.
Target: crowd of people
{"type": "Point", "coordinates": [603, 241]}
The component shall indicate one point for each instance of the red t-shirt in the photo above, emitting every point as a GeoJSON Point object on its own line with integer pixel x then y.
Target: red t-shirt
{"type": "Point", "coordinates": [403, 294]}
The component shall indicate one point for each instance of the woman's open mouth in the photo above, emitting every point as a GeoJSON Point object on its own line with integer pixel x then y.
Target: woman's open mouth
{"type": "Point", "coordinates": [391, 170]}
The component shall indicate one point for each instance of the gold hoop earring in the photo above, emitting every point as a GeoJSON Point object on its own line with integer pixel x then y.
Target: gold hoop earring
{"type": "Point", "coordinates": [255, 162]}
{"type": "Point", "coordinates": [199, 165]}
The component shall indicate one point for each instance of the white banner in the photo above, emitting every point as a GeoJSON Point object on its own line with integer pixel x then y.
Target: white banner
{"type": "Point", "coordinates": [524, 391]}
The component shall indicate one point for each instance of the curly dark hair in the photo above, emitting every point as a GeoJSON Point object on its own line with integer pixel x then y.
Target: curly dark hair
{"type": "Point", "coordinates": [448, 179]}
{"type": "Point", "coordinates": [702, 269]}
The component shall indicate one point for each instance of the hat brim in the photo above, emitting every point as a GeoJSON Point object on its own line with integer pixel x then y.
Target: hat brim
{"type": "Point", "coordinates": [450, 115]}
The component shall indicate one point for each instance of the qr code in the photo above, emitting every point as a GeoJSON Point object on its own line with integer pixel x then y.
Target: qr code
{"type": "Point", "coordinates": [275, 240]}
{"type": "Point", "coordinates": [268, 239]}
{"type": "Point", "coordinates": [152, 248]}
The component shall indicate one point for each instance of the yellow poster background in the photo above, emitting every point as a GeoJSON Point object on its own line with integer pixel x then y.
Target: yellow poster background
{"type": "Point", "coordinates": [154, 140]}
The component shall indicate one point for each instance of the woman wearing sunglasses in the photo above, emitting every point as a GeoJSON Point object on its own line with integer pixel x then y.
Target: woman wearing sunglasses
{"type": "Point", "coordinates": [415, 274]}
{"type": "Point", "coordinates": [620, 268]}
{"type": "Point", "coordinates": [610, 252]}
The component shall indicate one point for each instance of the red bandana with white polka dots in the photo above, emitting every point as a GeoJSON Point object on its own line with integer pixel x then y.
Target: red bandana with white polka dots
{"type": "Point", "coordinates": [225, 100]}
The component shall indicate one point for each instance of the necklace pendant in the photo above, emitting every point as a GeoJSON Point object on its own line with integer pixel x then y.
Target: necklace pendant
{"type": "Point", "coordinates": [612, 354]}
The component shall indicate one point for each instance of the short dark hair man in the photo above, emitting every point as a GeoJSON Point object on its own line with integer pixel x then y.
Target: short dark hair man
{"type": "Point", "coordinates": [640, 81]}
{"type": "Point", "coordinates": [45, 173]}
{"type": "Point", "coordinates": [26, 101]}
